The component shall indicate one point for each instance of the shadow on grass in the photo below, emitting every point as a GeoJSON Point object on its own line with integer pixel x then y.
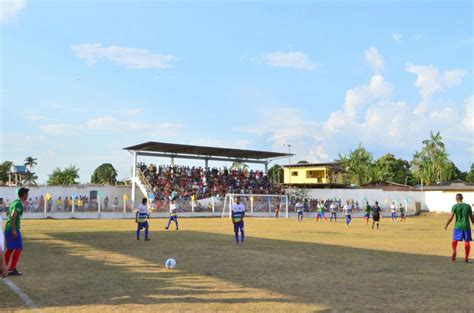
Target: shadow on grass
{"type": "Point", "coordinates": [112, 268]}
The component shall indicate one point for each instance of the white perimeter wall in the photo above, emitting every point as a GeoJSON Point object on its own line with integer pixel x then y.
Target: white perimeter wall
{"type": "Point", "coordinates": [434, 201]}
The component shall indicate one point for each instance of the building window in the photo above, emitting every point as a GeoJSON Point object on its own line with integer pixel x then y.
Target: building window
{"type": "Point", "coordinates": [294, 173]}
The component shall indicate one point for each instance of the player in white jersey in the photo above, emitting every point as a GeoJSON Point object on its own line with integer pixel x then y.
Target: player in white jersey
{"type": "Point", "coordinates": [348, 212]}
{"type": "Point", "coordinates": [393, 207]}
{"type": "Point", "coordinates": [141, 218]}
{"type": "Point", "coordinates": [3, 269]}
{"type": "Point", "coordinates": [173, 214]}
{"type": "Point", "coordinates": [299, 208]}
{"type": "Point", "coordinates": [238, 213]}
{"type": "Point", "coordinates": [333, 209]}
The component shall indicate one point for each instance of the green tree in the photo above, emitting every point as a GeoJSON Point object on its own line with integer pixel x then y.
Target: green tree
{"type": "Point", "coordinates": [303, 162]}
{"type": "Point", "coordinates": [276, 174]}
{"type": "Point", "coordinates": [4, 169]}
{"type": "Point", "coordinates": [104, 174]}
{"type": "Point", "coordinates": [239, 165]}
{"type": "Point", "coordinates": [394, 170]}
{"type": "Point", "coordinates": [67, 176]}
{"type": "Point", "coordinates": [358, 164]}
{"type": "Point", "coordinates": [431, 164]}
{"type": "Point", "coordinates": [31, 176]}
{"type": "Point", "coordinates": [470, 175]}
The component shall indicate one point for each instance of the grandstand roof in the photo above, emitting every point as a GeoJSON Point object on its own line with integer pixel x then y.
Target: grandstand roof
{"type": "Point", "coordinates": [202, 152]}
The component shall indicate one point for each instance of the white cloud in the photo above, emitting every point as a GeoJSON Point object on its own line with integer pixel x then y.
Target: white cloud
{"type": "Point", "coordinates": [397, 37]}
{"type": "Point", "coordinates": [10, 8]}
{"type": "Point", "coordinates": [60, 129]}
{"type": "Point", "coordinates": [377, 88]}
{"type": "Point", "coordinates": [131, 112]}
{"type": "Point", "coordinates": [293, 59]}
{"type": "Point", "coordinates": [431, 80]}
{"type": "Point", "coordinates": [37, 117]}
{"type": "Point", "coordinates": [132, 58]}
{"type": "Point", "coordinates": [112, 124]}
{"type": "Point", "coordinates": [374, 58]}
{"type": "Point", "coordinates": [468, 121]}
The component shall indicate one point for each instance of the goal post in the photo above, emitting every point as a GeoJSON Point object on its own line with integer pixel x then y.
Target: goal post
{"type": "Point", "coordinates": [258, 205]}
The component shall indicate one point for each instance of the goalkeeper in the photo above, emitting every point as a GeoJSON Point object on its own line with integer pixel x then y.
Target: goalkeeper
{"type": "Point", "coordinates": [238, 213]}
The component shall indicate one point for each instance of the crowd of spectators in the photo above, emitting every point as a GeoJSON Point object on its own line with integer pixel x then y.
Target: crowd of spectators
{"type": "Point", "coordinates": [187, 181]}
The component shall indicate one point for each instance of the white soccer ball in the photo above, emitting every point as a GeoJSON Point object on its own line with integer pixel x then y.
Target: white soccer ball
{"type": "Point", "coordinates": [170, 263]}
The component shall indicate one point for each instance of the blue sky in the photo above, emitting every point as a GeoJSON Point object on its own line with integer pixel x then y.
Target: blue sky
{"type": "Point", "coordinates": [81, 80]}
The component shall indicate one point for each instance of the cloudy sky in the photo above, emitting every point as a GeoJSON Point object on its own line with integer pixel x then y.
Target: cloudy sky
{"type": "Point", "coordinates": [81, 80]}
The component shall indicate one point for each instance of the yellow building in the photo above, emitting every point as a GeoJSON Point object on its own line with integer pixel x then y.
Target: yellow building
{"type": "Point", "coordinates": [314, 174]}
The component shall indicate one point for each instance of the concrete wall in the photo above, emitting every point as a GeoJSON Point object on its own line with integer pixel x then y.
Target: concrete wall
{"type": "Point", "coordinates": [434, 201]}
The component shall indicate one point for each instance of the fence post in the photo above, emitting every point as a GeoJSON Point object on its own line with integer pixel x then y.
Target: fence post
{"type": "Point", "coordinates": [98, 205]}
{"type": "Point", "coordinates": [192, 205]}
{"type": "Point", "coordinates": [287, 206]}
{"type": "Point", "coordinates": [213, 204]}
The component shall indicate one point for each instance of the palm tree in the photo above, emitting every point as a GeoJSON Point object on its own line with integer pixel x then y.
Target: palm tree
{"type": "Point", "coordinates": [239, 165]}
{"type": "Point", "coordinates": [30, 162]}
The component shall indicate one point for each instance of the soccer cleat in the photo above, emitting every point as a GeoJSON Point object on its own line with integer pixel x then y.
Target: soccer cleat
{"type": "Point", "coordinates": [177, 228]}
{"type": "Point", "coordinates": [147, 239]}
{"type": "Point", "coordinates": [166, 228]}
{"type": "Point", "coordinates": [14, 272]}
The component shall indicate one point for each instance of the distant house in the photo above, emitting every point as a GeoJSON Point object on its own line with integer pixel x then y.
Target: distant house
{"type": "Point", "coordinates": [450, 186]}
{"type": "Point", "coordinates": [17, 175]}
{"type": "Point", "coordinates": [387, 186]}
{"type": "Point", "coordinates": [315, 175]}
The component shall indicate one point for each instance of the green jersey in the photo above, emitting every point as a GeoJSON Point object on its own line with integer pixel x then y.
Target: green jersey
{"type": "Point", "coordinates": [402, 210]}
{"type": "Point", "coordinates": [367, 209]}
{"type": "Point", "coordinates": [16, 206]}
{"type": "Point", "coordinates": [463, 212]}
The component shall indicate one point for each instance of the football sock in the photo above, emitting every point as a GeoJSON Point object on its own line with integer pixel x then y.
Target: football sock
{"type": "Point", "coordinates": [8, 255]}
{"type": "Point", "coordinates": [467, 249]}
{"type": "Point", "coordinates": [242, 235]}
{"type": "Point", "coordinates": [146, 232]}
{"type": "Point", "coordinates": [15, 258]}
{"type": "Point", "coordinates": [138, 233]}
{"type": "Point", "coordinates": [454, 245]}
{"type": "Point", "coordinates": [236, 237]}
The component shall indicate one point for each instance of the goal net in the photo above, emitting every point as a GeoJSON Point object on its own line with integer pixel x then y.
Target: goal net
{"type": "Point", "coordinates": [258, 205]}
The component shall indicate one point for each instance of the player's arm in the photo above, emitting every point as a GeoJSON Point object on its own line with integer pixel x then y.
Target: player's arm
{"type": "Point", "coordinates": [13, 223]}
{"type": "Point", "coordinates": [450, 219]}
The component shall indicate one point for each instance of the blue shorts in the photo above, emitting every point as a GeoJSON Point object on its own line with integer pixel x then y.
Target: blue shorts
{"type": "Point", "coordinates": [142, 225]}
{"type": "Point", "coordinates": [462, 235]}
{"type": "Point", "coordinates": [239, 226]}
{"type": "Point", "coordinates": [13, 243]}
{"type": "Point", "coordinates": [300, 213]}
{"type": "Point", "coordinates": [320, 214]}
{"type": "Point", "coordinates": [173, 218]}
{"type": "Point", "coordinates": [367, 215]}
{"type": "Point", "coordinates": [394, 214]}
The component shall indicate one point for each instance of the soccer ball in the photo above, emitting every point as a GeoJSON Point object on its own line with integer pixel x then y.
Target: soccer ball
{"type": "Point", "coordinates": [170, 263]}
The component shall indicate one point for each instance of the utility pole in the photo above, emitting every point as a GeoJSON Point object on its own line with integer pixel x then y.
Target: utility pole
{"type": "Point", "coordinates": [289, 169]}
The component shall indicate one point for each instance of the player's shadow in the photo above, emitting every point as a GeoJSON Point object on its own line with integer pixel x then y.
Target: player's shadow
{"type": "Point", "coordinates": [94, 270]}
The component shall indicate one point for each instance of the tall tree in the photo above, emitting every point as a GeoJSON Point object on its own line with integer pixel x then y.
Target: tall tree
{"type": "Point", "coordinates": [470, 174]}
{"type": "Point", "coordinates": [431, 164]}
{"type": "Point", "coordinates": [67, 176]}
{"type": "Point", "coordinates": [239, 165]}
{"type": "Point", "coordinates": [31, 176]}
{"type": "Point", "coordinates": [358, 164]}
{"type": "Point", "coordinates": [276, 174]}
{"type": "Point", "coordinates": [4, 169]}
{"type": "Point", "coordinates": [394, 170]}
{"type": "Point", "coordinates": [104, 174]}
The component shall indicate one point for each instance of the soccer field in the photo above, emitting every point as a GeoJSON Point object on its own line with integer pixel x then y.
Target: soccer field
{"type": "Point", "coordinates": [98, 265]}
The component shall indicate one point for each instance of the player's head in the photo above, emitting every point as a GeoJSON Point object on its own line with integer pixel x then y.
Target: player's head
{"type": "Point", "coordinates": [237, 200]}
{"type": "Point", "coordinates": [459, 197]}
{"type": "Point", "coordinates": [144, 201]}
{"type": "Point", "coordinates": [23, 194]}
{"type": "Point", "coordinates": [376, 202]}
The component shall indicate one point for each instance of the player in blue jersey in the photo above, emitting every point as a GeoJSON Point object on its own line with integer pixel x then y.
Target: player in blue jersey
{"type": "Point", "coordinates": [141, 218]}
{"type": "Point", "coordinates": [238, 213]}
{"type": "Point", "coordinates": [348, 213]}
{"type": "Point", "coordinates": [173, 214]}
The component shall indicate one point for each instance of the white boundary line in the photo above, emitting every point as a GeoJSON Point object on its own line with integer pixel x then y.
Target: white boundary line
{"type": "Point", "coordinates": [23, 296]}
